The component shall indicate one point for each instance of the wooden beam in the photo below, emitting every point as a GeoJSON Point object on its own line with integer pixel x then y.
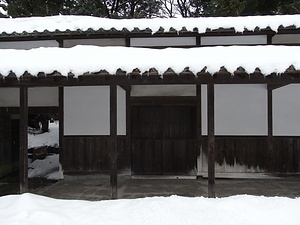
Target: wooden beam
{"type": "Point", "coordinates": [113, 142]}
{"type": "Point", "coordinates": [270, 130]}
{"type": "Point", "coordinates": [23, 153]}
{"type": "Point", "coordinates": [199, 123]}
{"type": "Point", "coordinates": [211, 139]}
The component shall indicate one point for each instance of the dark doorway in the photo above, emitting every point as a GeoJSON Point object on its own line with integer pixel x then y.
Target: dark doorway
{"type": "Point", "coordinates": [163, 140]}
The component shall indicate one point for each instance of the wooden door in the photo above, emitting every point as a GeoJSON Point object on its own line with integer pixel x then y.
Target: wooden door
{"type": "Point", "coordinates": [163, 140]}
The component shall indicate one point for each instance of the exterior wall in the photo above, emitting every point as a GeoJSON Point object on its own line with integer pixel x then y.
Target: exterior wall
{"type": "Point", "coordinates": [39, 96]}
{"type": "Point", "coordinates": [239, 109]}
{"type": "Point", "coordinates": [121, 111]}
{"type": "Point", "coordinates": [286, 39]}
{"type": "Point", "coordinates": [97, 42]}
{"type": "Point", "coordinates": [286, 110]}
{"type": "Point", "coordinates": [9, 97]}
{"type": "Point", "coordinates": [234, 40]}
{"type": "Point", "coordinates": [27, 44]}
{"type": "Point", "coordinates": [43, 96]}
{"type": "Point", "coordinates": [162, 41]}
{"type": "Point", "coordinates": [163, 90]}
{"type": "Point", "coordinates": [86, 110]}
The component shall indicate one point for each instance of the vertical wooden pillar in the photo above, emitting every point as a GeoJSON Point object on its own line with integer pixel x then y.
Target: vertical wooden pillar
{"type": "Point", "coordinates": [113, 141]}
{"type": "Point", "coordinates": [23, 154]}
{"type": "Point", "coordinates": [199, 122]}
{"type": "Point", "coordinates": [211, 139]}
{"type": "Point", "coordinates": [128, 123]}
{"type": "Point", "coordinates": [61, 123]}
{"type": "Point", "coordinates": [270, 129]}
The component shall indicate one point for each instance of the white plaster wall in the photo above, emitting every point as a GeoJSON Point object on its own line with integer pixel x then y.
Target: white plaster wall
{"type": "Point", "coordinates": [163, 41]}
{"type": "Point", "coordinates": [240, 109]}
{"type": "Point", "coordinates": [286, 39]}
{"type": "Point", "coordinates": [43, 96]}
{"type": "Point", "coordinates": [163, 90]}
{"type": "Point", "coordinates": [234, 40]}
{"type": "Point", "coordinates": [28, 44]}
{"type": "Point", "coordinates": [121, 111]}
{"type": "Point", "coordinates": [286, 110]}
{"type": "Point", "coordinates": [40, 96]}
{"type": "Point", "coordinates": [86, 110]}
{"type": "Point", "coordinates": [9, 97]}
{"type": "Point", "coordinates": [97, 42]}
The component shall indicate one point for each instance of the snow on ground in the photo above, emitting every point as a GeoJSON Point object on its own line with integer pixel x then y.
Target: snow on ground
{"type": "Point", "coordinates": [50, 138]}
{"type": "Point", "coordinates": [49, 167]}
{"type": "Point", "coordinates": [46, 168]}
{"type": "Point", "coordinates": [29, 209]}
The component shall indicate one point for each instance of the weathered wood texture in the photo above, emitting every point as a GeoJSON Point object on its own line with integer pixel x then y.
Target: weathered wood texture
{"type": "Point", "coordinates": [91, 154]}
{"type": "Point", "coordinates": [163, 140]}
{"type": "Point", "coordinates": [6, 160]}
{"type": "Point", "coordinates": [253, 152]}
{"type": "Point", "coordinates": [113, 153]}
{"type": "Point", "coordinates": [23, 140]}
{"type": "Point", "coordinates": [211, 139]}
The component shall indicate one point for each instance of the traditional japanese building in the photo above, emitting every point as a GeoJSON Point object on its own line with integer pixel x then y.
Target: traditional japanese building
{"type": "Point", "coordinates": [179, 97]}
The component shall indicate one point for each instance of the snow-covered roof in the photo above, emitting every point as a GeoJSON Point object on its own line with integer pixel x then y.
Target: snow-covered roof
{"type": "Point", "coordinates": [67, 24]}
{"type": "Point", "coordinates": [81, 59]}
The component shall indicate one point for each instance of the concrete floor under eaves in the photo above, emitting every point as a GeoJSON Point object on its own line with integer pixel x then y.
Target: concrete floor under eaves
{"type": "Point", "coordinates": [97, 187]}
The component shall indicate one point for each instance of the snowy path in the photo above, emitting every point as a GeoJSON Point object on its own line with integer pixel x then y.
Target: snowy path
{"type": "Point", "coordinates": [28, 209]}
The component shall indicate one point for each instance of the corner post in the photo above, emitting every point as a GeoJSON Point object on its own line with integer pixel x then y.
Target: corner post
{"type": "Point", "coordinates": [113, 142]}
{"type": "Point", "coordinates": [23, 153]}
{"type": "Point", "coordinates": [211, 139]}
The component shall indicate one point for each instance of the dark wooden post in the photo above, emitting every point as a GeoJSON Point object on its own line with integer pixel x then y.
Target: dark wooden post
{"type": "Point", "coordinates": [270, 129]}
{"type": "Point", "coordinates": [61, 123]}
{"type": "Point", "coordinates": [211, 139]}
{"type": "Point", "coordinates": [199, 121]}
{"type": "Point", "coordinates": [23, 154]}
{"type": "Point", "coordinates": [113, 141]}
{"type": "Point", "coordinates": [128, 122]}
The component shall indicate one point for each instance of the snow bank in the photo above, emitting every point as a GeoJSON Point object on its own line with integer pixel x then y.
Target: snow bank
{"type": "Point", "coordinates": [83, 23]}
{"type": "Point", "coordinates": [47, 168]}
{"type": "Point", "coordinates": [81, 59]}
{"type": "Point", "coordinates": [28, 209]}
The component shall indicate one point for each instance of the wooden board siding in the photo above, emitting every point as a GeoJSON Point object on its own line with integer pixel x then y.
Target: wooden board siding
{"type": "Point", "coordinates": [91, 154]}
{"type": "Point", "coordinates": [253, 152]}
{"type": "Point", "coordinates": [6, 160]}
{"type": "Point", "coordinates": [163, 140]}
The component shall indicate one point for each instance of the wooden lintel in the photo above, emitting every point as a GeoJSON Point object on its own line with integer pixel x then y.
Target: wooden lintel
{"type": "Point", "coordinates": [211, 139]}
{"type": "Point", "coordinates": [113, 142]}
{"type": "Point", "coordinates": [23, 153]}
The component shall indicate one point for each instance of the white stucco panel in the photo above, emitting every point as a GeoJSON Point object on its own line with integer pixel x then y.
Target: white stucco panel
{"type": "Point", "coordinates": [163, 90]}
{"type": "Point", "coordinates": [9, 97]}
{"type": "Point", "coordinates": [121, 111]}
{"type": "Point", "coordinates": [241, 109]}
{"type": "Point", "coordinates": [234, 40]}
{"type": "Point", "coordinates": [28, 44]}
{"type": "Point", "coordinates": [286, 110]}
{"type": "Point", "coordinates": [43, 96]}
{"type": "Point", "coordinates": [163, 41]}
{"type": "Point", "coordinates": [86, 110]}
{"type": "Point", "coordinates": [97, 42]}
